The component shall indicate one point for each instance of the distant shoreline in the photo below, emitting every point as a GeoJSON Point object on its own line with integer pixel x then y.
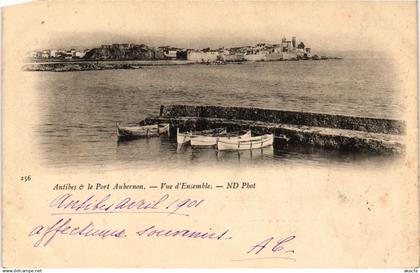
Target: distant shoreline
{"type": "Point", "coordinates": [88, 65]}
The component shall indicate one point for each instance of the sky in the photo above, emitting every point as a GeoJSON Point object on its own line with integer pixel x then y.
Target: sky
{"type": "Point", "coordinates": [197, 24]}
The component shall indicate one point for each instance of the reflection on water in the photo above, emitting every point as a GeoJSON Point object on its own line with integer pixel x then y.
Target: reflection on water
{"type": "Point", "coordinates": [173, 155]}
{"type": "Point", "coordinates": [204, 155]}
{"type": "Point", "coordinates": [168, 151]}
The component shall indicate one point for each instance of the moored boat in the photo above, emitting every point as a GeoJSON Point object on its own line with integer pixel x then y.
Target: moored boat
{"type": "Point", "coordinates": [132, 132]}
{"type": "Point", "coordinates": [249, 143]}
{"type": "Point", "coordinates": [211, 141]}
{"type": "Point", "coordinates": [184, 138]}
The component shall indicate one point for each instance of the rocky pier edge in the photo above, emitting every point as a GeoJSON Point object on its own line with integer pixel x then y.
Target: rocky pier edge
{"type": "Point", "coordinates": [358, 134]}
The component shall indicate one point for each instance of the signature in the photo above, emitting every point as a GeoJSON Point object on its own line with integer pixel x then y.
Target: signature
{"type": "Point", "coordinates": [269, 246]}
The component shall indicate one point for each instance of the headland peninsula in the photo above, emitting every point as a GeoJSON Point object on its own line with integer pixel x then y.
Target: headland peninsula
{"type": "Point", "coordinates": [135, 56]}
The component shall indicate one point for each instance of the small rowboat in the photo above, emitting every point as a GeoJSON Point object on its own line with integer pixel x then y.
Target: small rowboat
{"type": "Point", "coordinates": [249, 143]}
{"type": "Point", "coordinates": [132, 132]}
{"type": "Point", "coordinates": [184, 138]}
{"type": "Point", "coordinates": [211, 141]}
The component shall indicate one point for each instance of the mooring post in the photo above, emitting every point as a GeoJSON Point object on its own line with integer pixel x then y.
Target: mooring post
{"type": "Point", "coordinates": [161, 110]}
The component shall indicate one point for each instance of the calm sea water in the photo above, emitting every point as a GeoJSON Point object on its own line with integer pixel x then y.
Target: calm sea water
{"type": "Point", "coordinates": [80, 109]}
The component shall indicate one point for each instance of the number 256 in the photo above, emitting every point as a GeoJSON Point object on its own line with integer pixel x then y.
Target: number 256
{"type": "Point", "coordinates": [25, 178]}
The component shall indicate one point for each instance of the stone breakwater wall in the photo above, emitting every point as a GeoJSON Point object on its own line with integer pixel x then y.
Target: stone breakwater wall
{"type": "Point", "coordinates": [322, 130]}
{"type": "Point", "coordinates": [327, 138]}
{"type": "Point", "coordinates": [373, 125]}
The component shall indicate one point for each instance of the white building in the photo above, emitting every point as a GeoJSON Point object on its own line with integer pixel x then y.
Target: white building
{"type": "Point", "coordinates": [260, 56]}
{"type": "Point", "coordinates": [46, 54]}
{"type": "Point", "coordinates": [232, 57]}
{"type": "Point", "coordinates": [199, 56]}
{"type": "Point", "coordinates": [79, 54]}
{"type": "Point", "coordinates": [170, 54]}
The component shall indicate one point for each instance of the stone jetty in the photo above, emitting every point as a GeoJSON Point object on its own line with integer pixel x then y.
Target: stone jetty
{"type": "Point", "coordinates": [321, 130]}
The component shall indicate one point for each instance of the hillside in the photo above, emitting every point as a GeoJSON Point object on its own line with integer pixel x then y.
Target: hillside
{"type": "Point", "coordinates": [123, 53]}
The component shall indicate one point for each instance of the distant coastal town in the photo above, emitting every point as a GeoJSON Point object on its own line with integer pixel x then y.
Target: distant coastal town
{"type": "Point", "coordinates": [55, 59]}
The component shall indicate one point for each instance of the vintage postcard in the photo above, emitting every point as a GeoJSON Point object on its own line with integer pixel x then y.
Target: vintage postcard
{"type": "Point", "coordinates": [210, 134]}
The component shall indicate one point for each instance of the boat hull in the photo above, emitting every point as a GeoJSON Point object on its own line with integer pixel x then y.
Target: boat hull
{"type": "Point", "coordinates": [185, 138]}
{"type": "Point", "coordinates": [211, 141]}
{"type": "Point", "coordinates": [250, 143]}
{"type": "Point", "coordinates": [133, 132]}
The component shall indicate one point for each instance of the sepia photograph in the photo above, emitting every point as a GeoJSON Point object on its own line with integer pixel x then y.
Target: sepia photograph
{"type": "Point", "coordinates": [281, 95]}
{"type": "Point", "coordinates": [148, 127]}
